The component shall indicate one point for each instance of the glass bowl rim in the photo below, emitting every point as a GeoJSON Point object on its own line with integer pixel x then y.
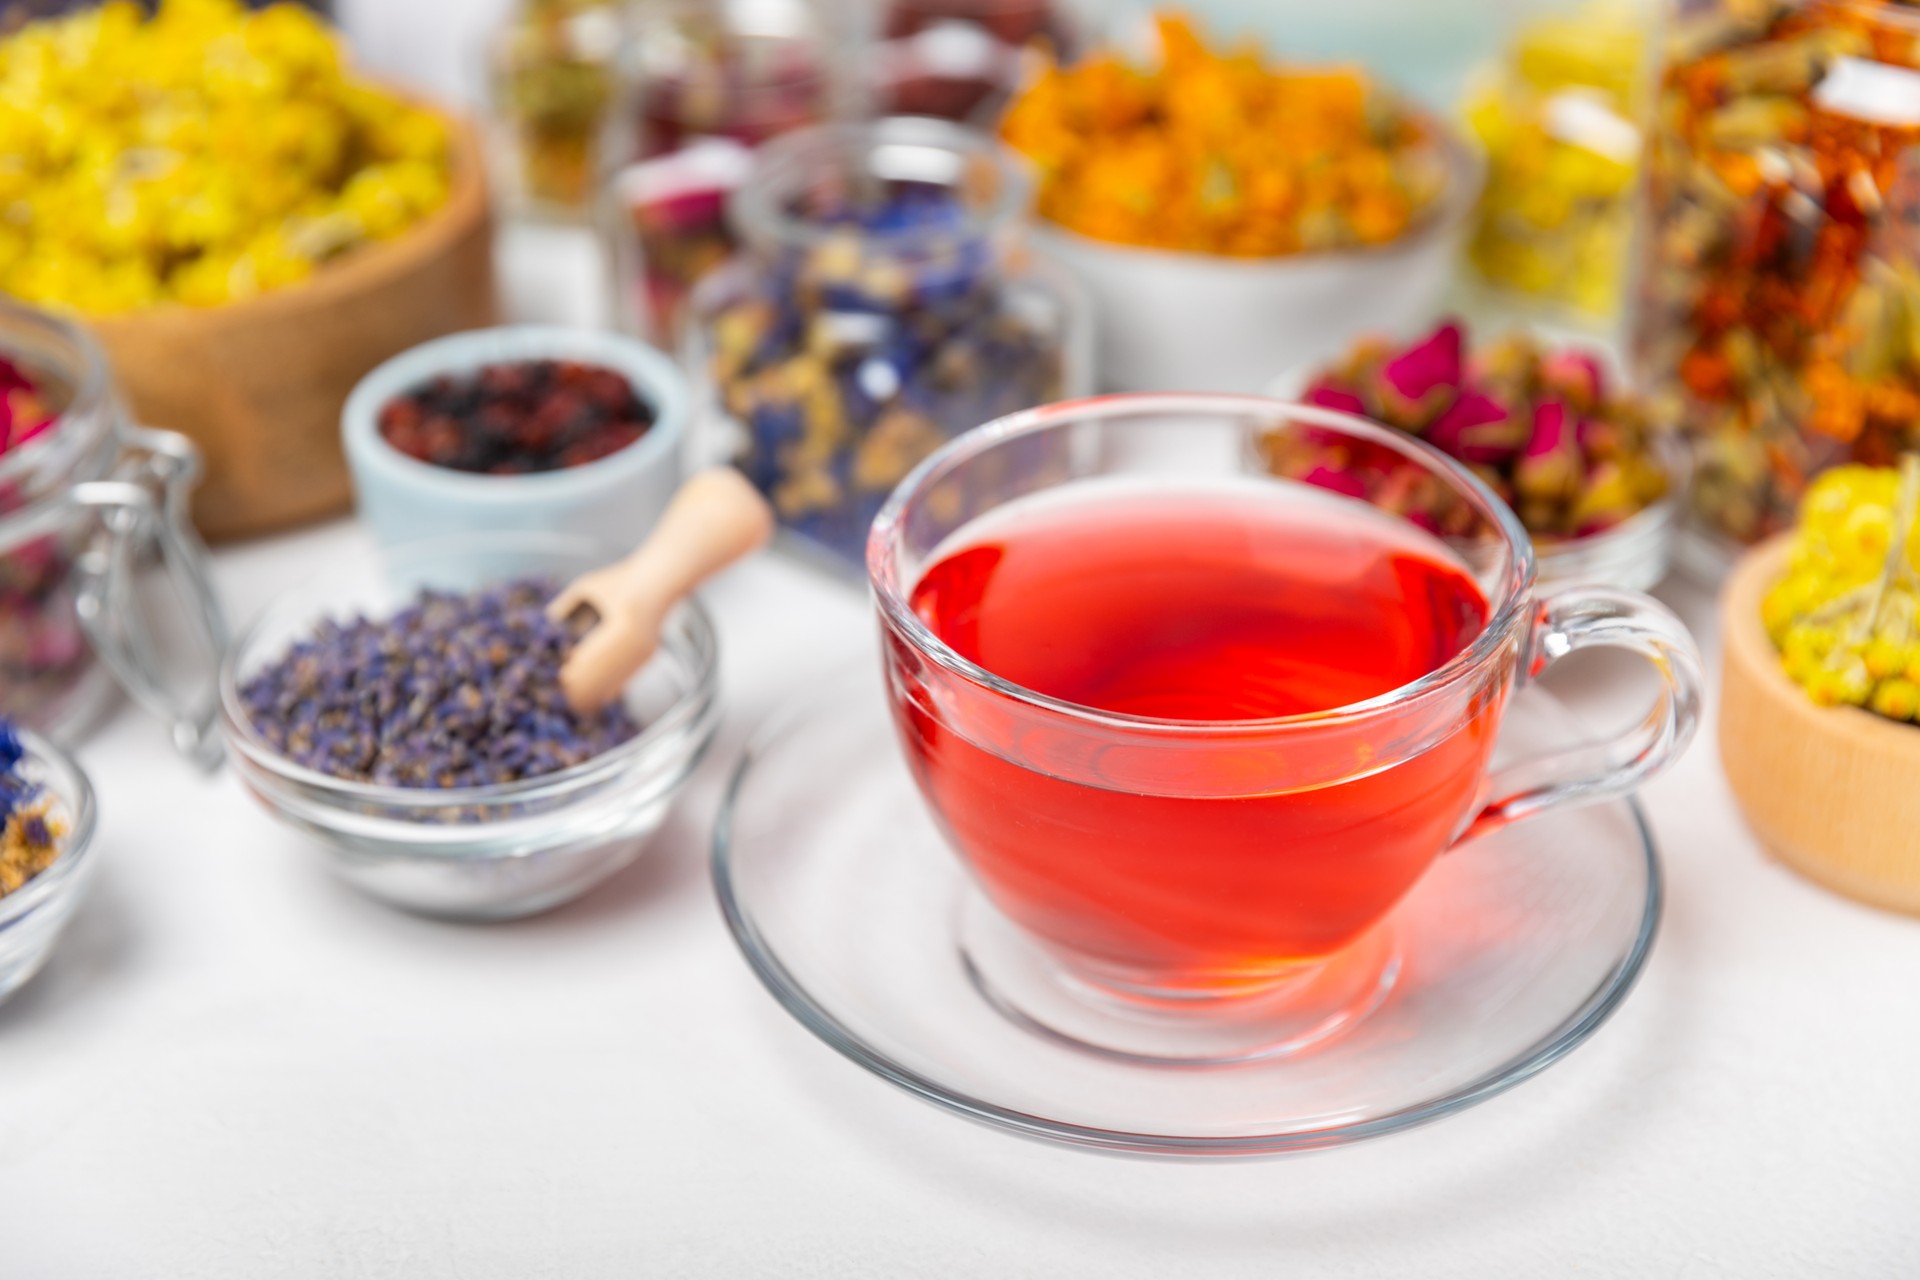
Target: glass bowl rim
{"type": "Point", "coordinates": [755, 213]}
{"type": "Point", "coordinates": [1506, 614]}
{"type": "Point", "coordinates": [685, 710]}
{"type": "Point", "coordinates": [83, 819]}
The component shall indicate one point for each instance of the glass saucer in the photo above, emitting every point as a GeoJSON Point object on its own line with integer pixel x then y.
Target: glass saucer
{"type": "Point", "coordinates": [851, 909]}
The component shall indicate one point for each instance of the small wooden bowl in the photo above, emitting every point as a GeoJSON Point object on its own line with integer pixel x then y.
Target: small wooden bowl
{"type": "Point", "coordinates": [1833, 792]}
{"type": "Point", "coordinates": [259, 384]}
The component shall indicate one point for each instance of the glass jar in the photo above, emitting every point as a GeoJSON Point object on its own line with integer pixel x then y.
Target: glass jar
{"type": "Point", "coordinates": [1561, 115]}
{"type": "Point", "coordinates": [961, 59]}
{"type": "Point", "coordinates": [1779, 308]}
{"type": "Point", "coordinates": [701, 85]}
{"type": "Point", "coordinates": [884, 305]}
{"type": "Point", "coordinates": [84, 506]}
{"type": "Point", "coordinates": [550, 81]}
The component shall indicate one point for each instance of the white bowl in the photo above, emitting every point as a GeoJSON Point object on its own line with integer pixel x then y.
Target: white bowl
{"type": "Point", "coordinates": [614, 500]}
{"type": "Point", "coordinates": [1172, 321]}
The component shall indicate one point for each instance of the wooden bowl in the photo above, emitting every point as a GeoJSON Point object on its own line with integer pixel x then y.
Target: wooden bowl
{"type": "Point", "coordinates": [259, 384]}
{"type": "Point", "coordinates": [1833, 792]}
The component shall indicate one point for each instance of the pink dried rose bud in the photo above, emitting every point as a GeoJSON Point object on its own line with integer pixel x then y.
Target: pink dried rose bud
{"type": "Point", "coordinates": [1426, 521]}
{"type": "Point", "coordinates": [1416, 496]}
{"type": "Point", "coordinates": [1575, 377]}
{"type": "Point", "coordinates": [1478, 428]}
{"type": "Point", "coordinates": [1424, 378]}
{"type": "Point", "coordinates": [1551, 436]}
{"type": "Point", "coordinates": [1329, 395]}
{"type": "Point", "coordinates": [32, 561]}
{"type": "Point", "coordinates": [1336, 480]}
{"type": "Point", "coordinates": [1541, 428]}
{"type": "Point", "coordinates": [24, 412]}
{"type": "Point", "coordinates": [1431, 364]}
{"type": "Point", "coordinates": [1550, 466]}
{"type": "Point", "coordinates": [30, 431]}
{"type": "Point", "coordinates": [1401, 491]}
{"type": "Point", "coordinates": [1599, 438]}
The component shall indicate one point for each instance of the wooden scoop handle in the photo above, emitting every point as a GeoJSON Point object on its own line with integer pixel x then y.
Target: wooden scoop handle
{"type": "Point", "coordinates": [715, 519]}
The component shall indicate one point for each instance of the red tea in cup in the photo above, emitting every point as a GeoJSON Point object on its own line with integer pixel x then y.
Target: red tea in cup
{"type": "Point", "coordinates": [1181, 867]}
{"type": "Point", "coordinates": [1195, 730]}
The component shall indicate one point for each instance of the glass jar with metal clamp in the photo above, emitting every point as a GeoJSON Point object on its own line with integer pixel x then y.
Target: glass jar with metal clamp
{"type": "Point", "coordinates": [86, 507]}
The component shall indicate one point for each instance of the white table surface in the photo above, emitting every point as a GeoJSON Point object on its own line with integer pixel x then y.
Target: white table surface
{"type": "Point", "coordinates": [235, 1067]}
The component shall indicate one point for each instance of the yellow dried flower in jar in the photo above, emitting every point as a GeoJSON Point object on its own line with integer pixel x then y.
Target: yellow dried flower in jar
{"type": "Point", "coordinates": [1560, 122]}
{"type": "Point", "coordinates": [198, 156]}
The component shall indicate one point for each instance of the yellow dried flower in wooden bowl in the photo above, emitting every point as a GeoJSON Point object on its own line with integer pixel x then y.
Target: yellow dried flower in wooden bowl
{"type": "Point", "coordinates": [259, 384]}
{"type": "Point", "coordinates": [1821, 685]}
{"type": "Point", "coordinates": [247, 226]}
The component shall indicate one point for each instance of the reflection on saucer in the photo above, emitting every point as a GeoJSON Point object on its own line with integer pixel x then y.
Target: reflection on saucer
{"type": "Point", "coordinates": [850, 908]}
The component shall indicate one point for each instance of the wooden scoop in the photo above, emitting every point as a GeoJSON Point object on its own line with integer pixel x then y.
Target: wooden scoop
{"type": "Point", "coordinates": [715, 519]}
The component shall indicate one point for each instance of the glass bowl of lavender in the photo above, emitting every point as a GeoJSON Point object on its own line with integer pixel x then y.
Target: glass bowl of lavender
{"type": "Point", "coordinates": [46, 834]}
{"type": "Point", "coordinates": [405, 712]}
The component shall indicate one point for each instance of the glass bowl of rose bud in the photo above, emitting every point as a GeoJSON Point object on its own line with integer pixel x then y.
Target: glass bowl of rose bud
{"type": "Point", "coordinates": [46, 837]}
{"type": "Point", "coordinates": [1552, 430]}
{"type": "Point", "coordinates": [405, 711]}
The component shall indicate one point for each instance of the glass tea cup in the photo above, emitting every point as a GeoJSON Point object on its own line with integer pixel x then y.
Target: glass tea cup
{"type": "Point", "coordinates": [1188, 890]}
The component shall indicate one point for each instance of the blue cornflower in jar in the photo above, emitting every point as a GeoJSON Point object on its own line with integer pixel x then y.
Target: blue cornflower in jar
{"type": "Point", "coordinates": [883, 305]}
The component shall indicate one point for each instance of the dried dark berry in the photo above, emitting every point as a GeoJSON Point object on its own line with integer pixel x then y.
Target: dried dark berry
{"type": "Point", "coordinates": [514, 419]}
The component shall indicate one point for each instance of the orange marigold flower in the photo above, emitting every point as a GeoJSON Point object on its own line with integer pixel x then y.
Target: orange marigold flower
{"type": "Point", "coordinates": [1219, 152]}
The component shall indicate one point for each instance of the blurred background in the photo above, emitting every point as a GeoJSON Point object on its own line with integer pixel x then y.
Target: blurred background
{"type": "Point", "coordinates": [1427, 47]}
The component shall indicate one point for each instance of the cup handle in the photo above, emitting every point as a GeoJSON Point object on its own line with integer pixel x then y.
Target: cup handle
{"type": "Point", "coordinates": [145, 506]}
{"type": "Point", "coordinates": [1589, 617]}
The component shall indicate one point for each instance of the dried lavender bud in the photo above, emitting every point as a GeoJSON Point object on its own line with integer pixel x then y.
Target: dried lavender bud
{"type": "Point", "coordinates": [452, 691]}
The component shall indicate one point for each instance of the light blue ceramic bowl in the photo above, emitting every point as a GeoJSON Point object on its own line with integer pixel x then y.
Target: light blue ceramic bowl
{"type": "Point", "coordinates": [614, 501]}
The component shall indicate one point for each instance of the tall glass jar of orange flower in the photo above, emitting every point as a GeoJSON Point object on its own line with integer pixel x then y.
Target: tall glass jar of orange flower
{"type": "Point", "coordinates": [1779, 301]}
